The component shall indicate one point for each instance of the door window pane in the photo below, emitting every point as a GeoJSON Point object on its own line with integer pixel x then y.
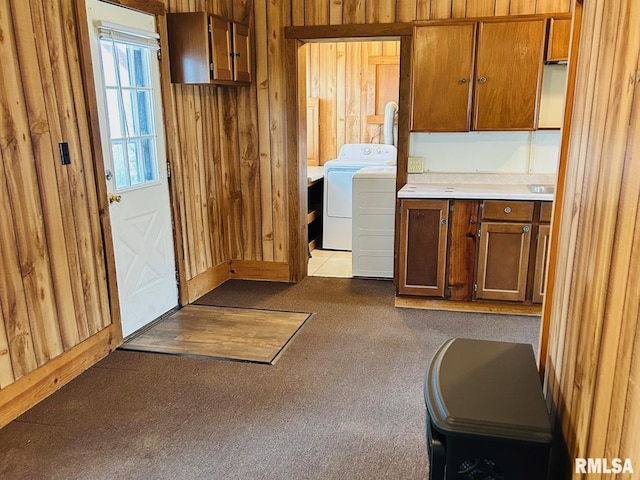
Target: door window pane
{"type": "Point", "coordinates": [129, 105]}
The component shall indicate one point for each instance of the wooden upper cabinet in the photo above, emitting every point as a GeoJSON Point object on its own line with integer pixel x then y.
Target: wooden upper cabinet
{"type": "Point", "coordinates": [221, 49]}
{"type": "Point", "coordinates": [242, 53]}
{"type": "Point", "coordinates": [443, 60]}
{"type": "Point", "coordinates": [559, 37]}
{"type": "Point", "coordinates": [207, 48]}
{"type": "Point", "coordinates": [508, 74]}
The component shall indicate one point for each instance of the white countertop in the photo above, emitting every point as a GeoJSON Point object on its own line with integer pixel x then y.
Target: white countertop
{"type": "Point", "coordinates": [480, 191]}
{"type": "Point", "coordinates": [314, 173]}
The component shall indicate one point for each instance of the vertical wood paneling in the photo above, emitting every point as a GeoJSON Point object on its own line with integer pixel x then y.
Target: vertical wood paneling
{"type": "Point", "coordinates": [406, 10]}
{"type": "Point", "coordinates": [316, 12]}
{"type": "Point", "coordinates": [480, 8]}
{"type": "Point", "coordinates": [502, 8]}
{"type": "Point", "coordinates": [277, 14]}
{"type": "Point", "coordinates": [340, 72]}
{"type": "Point", "coordinates": [380, 12]}
{"type": "Point", "coordinates": [335, 12]}
{"type": "Point", "coordinates": [353, 11]}
{"type": "Point", "coordinates": [458, 8]}
{"type": "Point", "coordinates": [522, 7]}
{"type": "Point", "coordinates": [25, 200]}
{"type": "Point", "coordinates": [440, 9]}
{"type": "Point", "coordinates": [52, 210]}
{"type": "Point", "coordinates": [13, 302]}
{"type": "Point", "coordinates": [341, 100]}
{"type": "Point", "coordinates": [423, 9]}
{"type": "Point", "coordinates": [592, 363]}
{"type": "Point", "coordinates": [227, 118]}
{"type": "Point", "coordinates": [6, 370]}
{"type": "Point", "coordinates": [82, 183]}
{"type": "Point", "coordinates": [328, 102]}
{"type": "Point", "coordinates": [353, 94]}
{"type": "Point", "coordinates": [264, 124]}
{"type": "Point", "coordinates": [297, 13]}
{"type": "Point", "coordinates": [552, 6]}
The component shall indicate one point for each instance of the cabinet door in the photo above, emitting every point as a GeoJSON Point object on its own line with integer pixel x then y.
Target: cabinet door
{"type": "Point", "coordinates": [242, 54]}
{"type": "Point", "coordinates": [503, 259]}
{"type": "Point", "coordinates": [442, 69]}
{"type": "Point", "coordinates": [508, 75]}
{"type": "Point", "coordinates": [542, 257]}
{"type": "Point", "coordinates": [559, 38]}
{"type": "Point", "coordinates": [423, 247]}
{"type": "Point", "coordinates": [221, 50]}
{"type": "Point", "coordinates": [189, 47]}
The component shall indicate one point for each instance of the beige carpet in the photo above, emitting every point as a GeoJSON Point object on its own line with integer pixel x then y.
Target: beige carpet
{"type": "Point", "coordinates": [244, 334]}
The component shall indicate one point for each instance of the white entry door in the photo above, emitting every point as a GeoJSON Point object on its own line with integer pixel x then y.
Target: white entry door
{"type": "Point", "coordinates": [124, 47]}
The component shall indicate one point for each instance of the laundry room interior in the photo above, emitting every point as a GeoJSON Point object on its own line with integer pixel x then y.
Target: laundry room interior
{"type": "Point", "coordinates": [350, 86]}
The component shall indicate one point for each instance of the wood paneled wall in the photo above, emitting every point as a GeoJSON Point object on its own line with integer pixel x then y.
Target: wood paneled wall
{"type": "Point", "coordinates": [53, 290]}
{"type": "Point", "coordinates": [336, 12]}
{"type": "Point", "coordinates": [219, 165]}
{"type": "Point", "coordinates": [592, 366]}
{"type": "Point", "coordinates": [338, 75]}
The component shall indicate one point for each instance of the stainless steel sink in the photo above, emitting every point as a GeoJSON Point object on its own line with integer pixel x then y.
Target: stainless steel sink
{"type": "Point", "coordinates": [542, 188]}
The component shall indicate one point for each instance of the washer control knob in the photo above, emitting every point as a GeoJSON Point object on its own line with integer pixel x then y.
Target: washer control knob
{"type": "Point", "coordinates": [367, 151]}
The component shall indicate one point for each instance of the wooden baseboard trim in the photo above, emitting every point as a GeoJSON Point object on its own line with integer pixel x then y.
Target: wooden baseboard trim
{"type": "Point", "coordinates": [256, 270]}
{"type": "Point", "coordinates": [505, 308]}
{"type": "Point", "coordinates": [37, 385]}
{"type": "Point", "coordinates": [207, 281]}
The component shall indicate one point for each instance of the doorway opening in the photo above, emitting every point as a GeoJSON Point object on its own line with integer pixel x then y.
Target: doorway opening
{"type": "Point", "coordinates": [348, 85]}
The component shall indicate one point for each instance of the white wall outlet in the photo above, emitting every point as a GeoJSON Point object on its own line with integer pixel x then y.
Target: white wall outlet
{"type": "Point", "coordinates": [416, 165]}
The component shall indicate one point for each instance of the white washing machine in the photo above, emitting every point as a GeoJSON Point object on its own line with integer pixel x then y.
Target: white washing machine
{"type": "Point", "coordinates": [338, 174]}
{"type": "Point", "coordinates": [374, 200]}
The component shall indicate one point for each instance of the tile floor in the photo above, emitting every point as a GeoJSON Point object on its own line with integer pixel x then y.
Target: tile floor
{"type": "Point", "coordinates": [329, 263]}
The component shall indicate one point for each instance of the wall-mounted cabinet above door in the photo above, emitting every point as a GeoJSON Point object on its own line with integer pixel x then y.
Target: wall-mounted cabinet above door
{"type": "Point", "coordinates": [208, 49]}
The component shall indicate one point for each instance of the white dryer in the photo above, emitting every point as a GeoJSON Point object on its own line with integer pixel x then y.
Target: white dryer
{"type": "Point", "coordinates": [338, 174]}
{"type": "Point", "coordinates": [374, 201]}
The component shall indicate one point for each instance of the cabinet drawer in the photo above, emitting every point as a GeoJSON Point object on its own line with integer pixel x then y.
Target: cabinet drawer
{"type": "Point", "coordinates": [545, 212]}
{"type": "Point", "coordinates": [507, 210]}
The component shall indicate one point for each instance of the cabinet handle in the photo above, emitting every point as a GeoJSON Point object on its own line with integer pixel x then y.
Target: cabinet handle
{"type": "Point", "coordinates": [463, 80]}
{"type": "Point", "coordinates": [237, 54]}
{"type": "Point", "coordinates": [443, 221]}
{"type": "Point", "coordinates": [526, 228]}
{"type": "Point", "coordinates": [482, 79]}
{"type": "Point", "coordinates": [507, 209]}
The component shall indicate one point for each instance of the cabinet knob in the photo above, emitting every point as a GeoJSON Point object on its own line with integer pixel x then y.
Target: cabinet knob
{"type": "Point", "coordinates": [463, 80]}
{"type": "Point", "coordinates": [507, 209]}
{"type": "Point", "coordinates": [482, 79]}
{"type": "Point", "coordinates": [526, 228]}
{"type": "Point", "coordinates": [443, 221]}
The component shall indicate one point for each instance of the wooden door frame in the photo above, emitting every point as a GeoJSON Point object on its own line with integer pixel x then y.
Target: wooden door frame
{"type": "Point", "coordinates": [156, 8]}
{"type": "Point", "coordinates": [295, 61]}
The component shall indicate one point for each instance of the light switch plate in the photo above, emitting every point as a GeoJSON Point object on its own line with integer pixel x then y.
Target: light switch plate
{"type": "Point", "coordinates": [415, 165]}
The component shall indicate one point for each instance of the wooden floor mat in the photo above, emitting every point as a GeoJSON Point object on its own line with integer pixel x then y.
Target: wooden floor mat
{"type": "Point", "coordinates": [243, 334]}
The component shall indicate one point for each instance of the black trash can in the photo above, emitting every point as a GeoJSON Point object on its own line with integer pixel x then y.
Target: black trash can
{"type": "Point", "coordinates": [486, 415]}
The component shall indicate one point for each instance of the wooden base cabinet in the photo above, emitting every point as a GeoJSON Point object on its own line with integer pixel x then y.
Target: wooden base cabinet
{"type": "Point", "coordinates": [423, 249]}
{"type": "Point", "coordinates": [503, 259]}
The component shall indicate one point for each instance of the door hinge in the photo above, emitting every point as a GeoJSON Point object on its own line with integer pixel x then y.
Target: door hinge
{"type": "Point", "coordinates": [159, 54]}
{"type": "Point", "coordinates": [479, 230]}
{"type": "Point", "coordinates": [177, 278]}
{"type": "Point", "coordinates": [168, 170]}
{"type": "Point", "coordinates": [475, 287]}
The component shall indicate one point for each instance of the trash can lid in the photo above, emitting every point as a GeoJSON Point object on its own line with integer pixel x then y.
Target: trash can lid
{"type": "Point", "coordinates": [485, 388]}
